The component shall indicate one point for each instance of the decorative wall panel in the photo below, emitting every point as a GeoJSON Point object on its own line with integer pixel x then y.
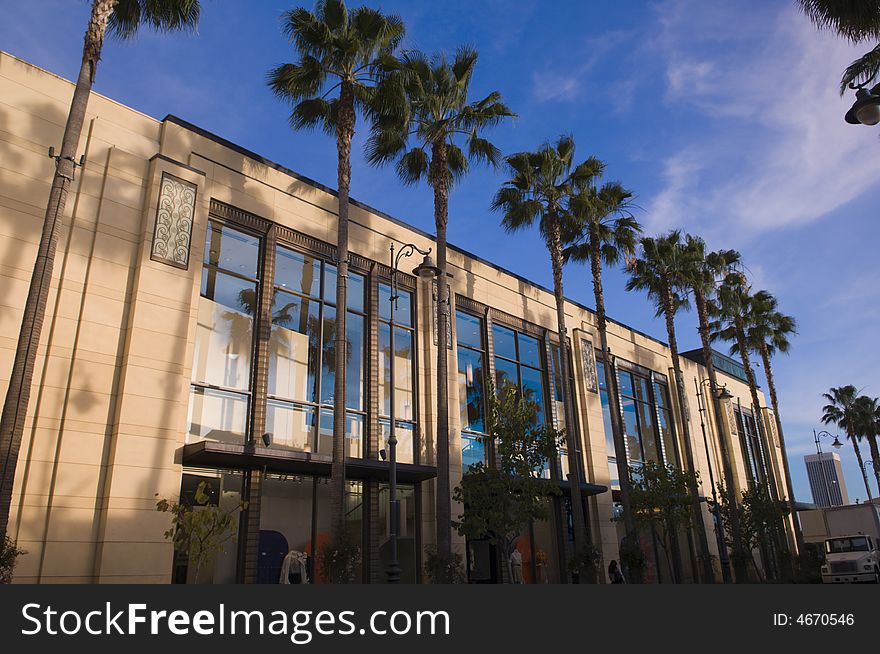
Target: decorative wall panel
{"type": "Point", "coordinates": [174, 222]}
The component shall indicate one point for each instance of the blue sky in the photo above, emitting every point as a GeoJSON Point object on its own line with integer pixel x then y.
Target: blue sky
{"type": "Point", "coordinates": [723, 118]}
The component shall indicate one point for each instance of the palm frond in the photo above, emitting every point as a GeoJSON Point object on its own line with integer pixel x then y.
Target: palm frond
{"type": "Point", "coordinates": [161, 15]}
{"type": "Point", "coordinates": [855, 20]}
{"type": "Point", "coordinates": [413, 166]}
{"type": "Point", "coordinates": [863, 71]}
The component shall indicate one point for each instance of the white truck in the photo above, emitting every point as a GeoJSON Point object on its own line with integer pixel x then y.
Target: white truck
{"type": "Point", "coordinates": [852, 545]}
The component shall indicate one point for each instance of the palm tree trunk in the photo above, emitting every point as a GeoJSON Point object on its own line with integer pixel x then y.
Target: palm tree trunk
{"type": "Point", "coordinates": [858, 451]}
{"type": "Point", "coordinates": [344, 135]}
{"type": "Point", "coordinates": [440, 183]}
{"type": "Point", "coordinates": [774, 401]}
{"type": "Point", "coordinates": [572, 441]}
{"type": "Point", "coordinates": [742, 345]}
{"type": "Point", "coordinates": [620, 452]}
{"type": "Point", "coordinates": [875, 456]}
{"type": "Point", "coordinates": [15, 406]}
{"type": "Point", "coordinates": [770, 480]}
{"type": "Point", "coordinates": [708, 572]}
{"type": "Point", "coordinates": [739, 564]}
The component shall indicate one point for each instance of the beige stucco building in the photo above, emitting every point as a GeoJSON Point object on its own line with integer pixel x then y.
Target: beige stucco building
{"type": "Point", "coordinates": [190, 314]}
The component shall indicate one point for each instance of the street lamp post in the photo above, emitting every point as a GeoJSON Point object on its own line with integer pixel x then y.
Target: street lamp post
{"type": "Point", "coordinates": [836, 445]}
{"type": "Point", "coordinates": [425, 270]}
{"type": "Point", "coordinates": [723, 557]}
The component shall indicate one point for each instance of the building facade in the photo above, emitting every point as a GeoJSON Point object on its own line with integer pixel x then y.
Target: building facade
{"type": "Point", "coordinates": [826, 479]}
{"type": "Point", "coordinates": [192, 312]}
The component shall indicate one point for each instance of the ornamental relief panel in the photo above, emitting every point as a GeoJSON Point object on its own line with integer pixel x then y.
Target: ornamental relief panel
{"type": "Point", "coordinates": [172, 233]}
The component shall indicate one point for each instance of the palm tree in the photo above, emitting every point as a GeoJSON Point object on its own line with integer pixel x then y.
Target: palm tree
{"type": "Point", "coordinates": [420, 115]}
{"type": "Point", "coordinates": [842, 411]}
{"type": "Point", "coordinates": [541, 188]}
{"type": "Point", "coordinates": [338, 55]}
{"type": "Point", "coordinates": [600, 229]}
{"type": "Point", "coordinates": [122, 18]}
{"type": "Point", "coordinates": [767, 333]}
{"type": "Point", "coordinates": [867, 410]}
{"type": "Point", "coordinates": [857, 21]}
{"type": "Point", "coordinates": [659, 272]}
{"type": "Point", "coordinates": [701, 273]}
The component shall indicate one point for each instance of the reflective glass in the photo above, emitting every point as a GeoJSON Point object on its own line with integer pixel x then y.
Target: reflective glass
{"type": "Point", "coordinates": [505, 375]}
{"type": "Point", "coordinates": [328, 355]}
{"type": "Point", "coordinates": [298, 272]}
{"type": "Point", "coordinates": [233, 250]}
{"type": "Point", "coordinates": [291, 426]}
{"type": "Point", "coordinates": [473, 451]}
{"type": "Point", "coordinates": [217, 416]}
{"type": "Point", "coordinates": [223, 347]}
{"type": "Point", "coordinates": [504, 341]}
{"type": "Point", "coordinates": [631, 428]}
{"type": "Point", "coordinates": [529, 351]}
{"type": "Point", "coordinates": [650, 444]}
{"type": "Point", "coordinates": [469, 330]}
{"type": "Point", "coordinates": [533, 389]}
{"type": "Point", "coordinates": [293, 347]}
{"type": "Point", "coordinates": [403, 314]}
{"type": "Point", "coordinates": [471, 389]}
{"type": "Point", "coordinates": [405, 440]}
{"type": "Point", "coordinates": [403, 373]}
{"type": "Point", "coordinates": [354, 369]}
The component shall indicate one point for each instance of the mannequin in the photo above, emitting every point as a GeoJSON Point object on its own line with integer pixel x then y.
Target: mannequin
{"type": "Point", "coordinates": [516, 566]}
{"type": "Point", "coordinates": [293, 568]}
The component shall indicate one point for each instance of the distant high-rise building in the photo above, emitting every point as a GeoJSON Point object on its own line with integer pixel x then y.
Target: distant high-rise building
{"type": "Point", "coordinates": [826, 479]}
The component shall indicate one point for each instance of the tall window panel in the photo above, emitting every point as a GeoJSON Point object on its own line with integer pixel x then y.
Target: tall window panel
{"type": "Point", "coordinates": [403, 360]}
{"type": "Point", "coordinates": [665, 421]}
{"type": "Point", "coordinates": [606, 420]}
{"type": "Point", "coordinates": [469, 330]}
{"type": "Point", "coordinates": [751, 447]}
{"type": "Point", "coordinates": [221, 374]}
{"type": "Point", "coordinates": [302, 355]}
{"type": "Point", "coordinates": [559, 401]}
{"type": "Point", "coordinates": [519, 364]}
{"type": "Point", "coordinates": [639, 418]}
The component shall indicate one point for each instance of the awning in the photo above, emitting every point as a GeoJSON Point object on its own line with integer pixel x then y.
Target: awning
{"type": "Point", "coordinates": [211, 454]}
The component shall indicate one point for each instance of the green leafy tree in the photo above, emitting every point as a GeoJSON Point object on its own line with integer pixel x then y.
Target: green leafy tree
{"type": "Point", "coordinates": [660, 272]}
{"type": "Point", "coordinates": [200, 529]}
{"type": "Point", "coordinates": [500, 501]}
{"type": "Point", "coordinates": [857, 21]}
{"type": "Point", "coordinates": [338, 57]}
{"type": "Point", "coordinates": [9, 553]}
{"type": "Point", "coordinates": [122, 18]}
{"type": "Point", "coordinates": [424, 120]}
{"type": "Point", "coordinates": [760, 518]}
{"type": "Point", "coordinates": [540, 189]}
{"type": "Point", "coordinates": [661, 503]}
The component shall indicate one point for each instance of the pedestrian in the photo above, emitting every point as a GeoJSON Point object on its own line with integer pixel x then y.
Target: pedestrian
{"type": "Point", "coordinates": [615, 574]}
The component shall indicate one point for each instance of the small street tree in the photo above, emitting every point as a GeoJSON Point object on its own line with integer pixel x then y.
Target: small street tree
{"type": "Point", "coordinates": [200, 529]}
{"type": "Point", "coordinates": [661, 503]}
{"type": "Point", "coordinates": [501, 501]}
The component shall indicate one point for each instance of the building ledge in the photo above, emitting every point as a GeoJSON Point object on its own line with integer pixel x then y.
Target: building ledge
{"type": "Point", "coordinates": [212, 454]}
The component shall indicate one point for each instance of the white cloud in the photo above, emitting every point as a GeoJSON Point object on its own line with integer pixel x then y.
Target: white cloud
{"type": "Point", "coordinates": [772, 148]}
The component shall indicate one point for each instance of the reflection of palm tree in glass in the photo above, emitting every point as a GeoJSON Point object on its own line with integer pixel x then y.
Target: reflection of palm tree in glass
{"type": "Point", "coordinates": [403, 381]}
{"type": "Point", "coordinates": [287, 316]}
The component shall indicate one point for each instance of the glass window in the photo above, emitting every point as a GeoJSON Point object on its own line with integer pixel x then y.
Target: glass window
{"type": "Point", "coordinates": [504, 342]}
{"type": "Point", "coordinates": [471, 387]}
{"type": "Point", "coordinates": [216, 415]}
{"type": "Point", "coordinates": [297, 272]}
{"type": "Point", "coordinates": [406, 540]}
{"type": "Point", "coordinates": [471, 399]}
{"type": "Point", "coordinates": [403, 360]}
{"type": "Point", "coordinates": [302, 355]}
{"type": "Point", "coordinates": [293, 347]}
{"type": "Point", "coordinates": [222, 358]}
{"type": "Point", "coordinates": [518, 363]}
{"type": "Point", "coordinates": [232, 249]}
{"type": "Point", "coordinates": [468, 330]}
